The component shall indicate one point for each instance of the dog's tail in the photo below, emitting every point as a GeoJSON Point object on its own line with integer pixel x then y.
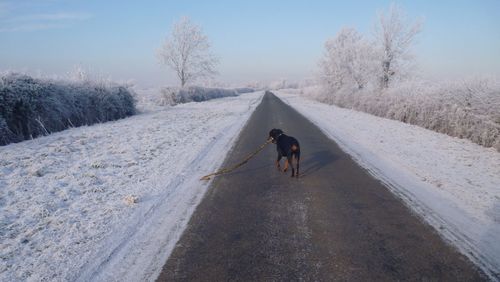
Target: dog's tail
{"type": "Point", "coordinates": [296, 151]}
{"type": "Point", "coordinates": [297, 155]}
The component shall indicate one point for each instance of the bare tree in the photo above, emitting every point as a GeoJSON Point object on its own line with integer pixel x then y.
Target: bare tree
{"type": "Point", "coordinates": [395, 37]}
{"type": "Point", "coordinates": [187, 52]}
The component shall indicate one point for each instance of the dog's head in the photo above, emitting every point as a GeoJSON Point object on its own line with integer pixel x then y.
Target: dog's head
{"type": "Point", "coordinates": [274, 134]}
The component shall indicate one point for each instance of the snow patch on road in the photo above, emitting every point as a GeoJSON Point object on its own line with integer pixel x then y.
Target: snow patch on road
{"type": "Point", "coordinates": [452, 183]}
{"type": "Point", "coordinates": [108, 202]}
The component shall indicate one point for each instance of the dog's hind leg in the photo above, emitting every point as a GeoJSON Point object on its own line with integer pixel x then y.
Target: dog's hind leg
{"type": "Point", "coordinates": [290, 160]}
{"type": "Point", "coordinates": [297, 159]}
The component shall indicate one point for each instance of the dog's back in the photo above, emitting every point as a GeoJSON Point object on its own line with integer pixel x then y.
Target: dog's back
{"type": "Point", "coordinates": [288, 146]}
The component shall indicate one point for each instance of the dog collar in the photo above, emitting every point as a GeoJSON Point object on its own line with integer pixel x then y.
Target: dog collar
{"type": "Point", "coordinates": [272, 138]}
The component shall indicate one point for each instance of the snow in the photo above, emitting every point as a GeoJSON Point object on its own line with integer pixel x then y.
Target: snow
{"type": "Point", "coordinates": [155, 98]}
{"type": "Point", "coordinates": [108, 202]}
{"type": "Point", "coordinates": [149, 99]}
{"type": "Point", "coordinates": [453, 184]}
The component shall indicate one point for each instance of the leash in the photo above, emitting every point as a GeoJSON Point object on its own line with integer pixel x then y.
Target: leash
{"type": "Point", "coordinates": [227, 170]}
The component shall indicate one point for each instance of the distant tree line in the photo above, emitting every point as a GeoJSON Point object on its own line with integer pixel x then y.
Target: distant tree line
{"type": "Point", "coordinates": [32, 107]}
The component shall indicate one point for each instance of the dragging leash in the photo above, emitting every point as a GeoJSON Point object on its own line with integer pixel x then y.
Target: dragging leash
{"type": "Point", "coordinates": [227, 170]}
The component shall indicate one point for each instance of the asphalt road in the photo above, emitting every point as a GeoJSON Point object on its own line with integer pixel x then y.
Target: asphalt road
{"type": "Point", "coordinates": [336, 222]}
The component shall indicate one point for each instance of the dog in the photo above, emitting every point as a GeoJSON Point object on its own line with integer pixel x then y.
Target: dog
{"type": "Point", "coordinates": [288, 147]}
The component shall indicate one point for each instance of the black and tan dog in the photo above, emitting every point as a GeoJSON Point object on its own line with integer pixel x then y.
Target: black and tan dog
{"type": "Point", "coordinates": [288, 147]}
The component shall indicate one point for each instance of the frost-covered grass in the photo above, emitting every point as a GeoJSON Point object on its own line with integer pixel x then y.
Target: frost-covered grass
{"type": "Point", "coordinates": [31, 107]}
{"type": "Point", "coordinates": [452, 183]}
{"type": "Point", "coordinates": [468, 109]}
{"type": "Point", "coordinates": [108, 202]}
{"type": "Point", "coordinates": [149, 99]}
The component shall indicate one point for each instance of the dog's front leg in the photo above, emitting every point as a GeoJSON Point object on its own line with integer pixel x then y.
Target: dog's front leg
{"type": "Point", "coordinates": [286, 165]}
{"type": "Point", "coordinates": [278, 162]}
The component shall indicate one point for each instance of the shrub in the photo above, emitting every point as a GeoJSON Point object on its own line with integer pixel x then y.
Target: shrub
{"type": "Point", "coordinates": [173, 96]}
{"type": "Point", "coordinates": [468, 109]}
{"type": "Point", "coordinates": [32, 107]}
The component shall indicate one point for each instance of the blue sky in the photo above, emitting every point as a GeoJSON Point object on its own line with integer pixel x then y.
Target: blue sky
{"type": "Point", "coordinates": [255, 40]}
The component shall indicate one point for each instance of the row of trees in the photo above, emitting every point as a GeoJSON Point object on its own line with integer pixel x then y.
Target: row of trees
{"type": "Point", "coordinates": [352, 61]}
{"type": "Point", "coordinates": [377, 75]}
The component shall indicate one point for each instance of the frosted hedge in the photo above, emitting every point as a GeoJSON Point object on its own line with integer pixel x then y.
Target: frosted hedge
{"type": "Point", "coordinates": [32, 107]}
{"type": "Point", "coordinates": [173, 96]}
{"type": "Point", "coordinates": [467, 109]}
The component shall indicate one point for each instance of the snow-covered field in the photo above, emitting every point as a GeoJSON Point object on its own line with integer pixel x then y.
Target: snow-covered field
{"type": "Point", "coordinates": [108, 202]}
{"type": "Point", "coordinates": [452, 183]}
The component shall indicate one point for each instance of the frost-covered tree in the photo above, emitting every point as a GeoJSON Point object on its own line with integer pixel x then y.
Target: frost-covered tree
{"type": "Point", "coordinates": [187, 52]}
{"type": "Point", "coordinates": [348, 61]}
{"type": "Point", "coordinates": [394, 35]}
{"type": "Point", "coordinates": [78, 73]}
